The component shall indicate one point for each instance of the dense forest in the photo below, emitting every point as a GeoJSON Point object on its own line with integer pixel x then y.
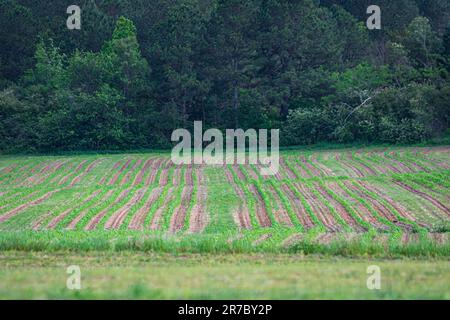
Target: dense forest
{"type": "Point", "coordinates": [138, 69]}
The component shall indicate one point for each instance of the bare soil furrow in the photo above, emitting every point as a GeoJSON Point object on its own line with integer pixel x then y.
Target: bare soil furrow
{"type": "Point", "coordinates": [116, 176]}
{"type": "Point", "coordinates": [179, 215]}
{"type": "Point", "coordinates": [56, 220]}
{"type": "Point", "coordinates": [24, 206]}
{"type": "Point", "coordinates": [199, 217]}
{"type": "Point", "coordinates": [300, 211]}
{"type": "Point", "coordinates": [261, 211]}
{"type": "Point", "coordinates": [116, 220]}
{"type": "Point", "coordinates": [281, 214]}
{"type": "Point", "coordinates": [137, 222]}
{"type": "Point", "coordinates": [321, 211]}
{"type": "Point", "coordinates": [92, 224]}
{"type": "Point", "coordinates": [242, 215]}
{"type": "Point", "coordinates": [425, 196]}
{"type": "Point", "coordinates": [157, 217]}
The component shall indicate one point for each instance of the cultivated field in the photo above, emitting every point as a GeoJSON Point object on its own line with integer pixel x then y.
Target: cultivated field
{"type": "Point", "coordinates": [375, 200]}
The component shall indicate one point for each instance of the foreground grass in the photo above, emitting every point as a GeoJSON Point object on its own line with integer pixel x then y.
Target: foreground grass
{"type": "Point", "coordinates": [138, 275]}
{"type": "Point", "coordinates": [358, 245]}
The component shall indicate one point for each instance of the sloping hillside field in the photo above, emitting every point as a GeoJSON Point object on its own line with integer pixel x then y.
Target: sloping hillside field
{"type": "Point", "coordinates": [345, 201]}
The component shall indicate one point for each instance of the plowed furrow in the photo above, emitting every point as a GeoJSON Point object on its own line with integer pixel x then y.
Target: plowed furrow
{"type": "Point", "coordinates": [340, 209]}
{"type": "Point", "coordinates": [156, 220]}
{"type": "Point", "coordinates": [321, 211]}
{"type": "Point", "coordinates": [137, 222]}
{"type": "Point", "coordinates": [301, 213]}
{"type": "Point", "coordinates": [98, 217]}
{"type": "Point", "coordinates": [179, 216]}
{"type": "Point", "coordinates": [281, 214]}
{"type": "Point", "coordinates": [199, 217]}
{"type": "Point", "coordinates": [261, 211]}
{"type": "Point", "coordinates": [24, 206]}
{"type": "Point", "coordinates": [116, 176]}
{"type": "Point", "coordinates": [56, 220]}
{"type": "Point", "coordinates": [141, 173]}
{"type": "Point", "coordinates": [72, 225]}
{"type": "Point", "coordinates": [116, 220]}
{"type": "Point", "coordinates": [425, 196]}
{"type": "Point", "coordinates": [242, 216]}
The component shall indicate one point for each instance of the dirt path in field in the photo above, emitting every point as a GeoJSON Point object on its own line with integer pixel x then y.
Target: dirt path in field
{"type": "Point", "coordinates": [24, 206]}
{"type": "Point", "coordinates": [242, 215]}
{"type": "Point", "coordinates": [425, 196]}
{"type": "Point", "coordinates": [300, 211]}
{"type": "Point", "coordinates": [319, 209]}
{"type": "Point", "coordinates": [261, 210]}
{"type": "Point", "coordinates": [78, 178]}
{"type": "Point", "coordinates": [156, 220]}
{"type": "Point", "coordinates": [82, 214]}
{"type": "Point", "coordinates": [199, 216]}
{"type": "Point", "coordinates": [141, 172]}
{"type": "Point", "coordinates": [281, 214]}
{"type": "Point", "coordinates": [137, 222]}
{"type": "Point", "coordinates": [116, 176]}
{"type": "Point", "coordinates": [117, 218]}
{"type": "Point", "coordinates": [56, 220]}
{"type": "Point", "coordinates": [179, 215]}
{"type": "Point", "coordinates": [98, 217]}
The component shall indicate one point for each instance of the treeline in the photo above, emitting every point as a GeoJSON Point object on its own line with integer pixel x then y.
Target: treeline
{"type": "Point", "coordinates": [138, 69]}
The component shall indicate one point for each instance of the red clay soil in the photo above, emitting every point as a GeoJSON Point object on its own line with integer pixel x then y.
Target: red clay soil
{"type": "Point", "coordinates": [54, 222]}
{"type": "Point", "coordinates": [261, 211]}
{"type": "Point", "coordinates": [285, 168]}
{"type": "Point", "coordinates": [179, 215]}
{"type": "Point", "coordinates": [281, 214]}
{"type": "Point", "coordinates": [130, 173]}
{"type": "Point", "coordinates": [156, 220]}
{"type": "Point", "coordinates": [85, 172]}
{"type": "Point", "coordinates": [301, 213]}
{"type": "Point", "coordinates": [116, 220]}
{"type": "Point", "coordinates": [80, 216]}
{"type": "Point", "coordinates": [24, 206]}
{"type": "Point", "coordinates": [98, 217]}
{"type": "Point", "coordinates": [242, 215]}
{"type": "Point", "coordinates": [321, 211]}
{"type": "Point", "coordinates": [199, 217]}
{"type": "Point", "coordinates": [116, 176]}
{"type": "Point", "coordinates": [425, 196]}
{"type": "Point", "coordinates": [137, 222]}
{"type": "Point", "coordinates": [141, 173]}
{"type": "Point", "coordinates": [340, 209]}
